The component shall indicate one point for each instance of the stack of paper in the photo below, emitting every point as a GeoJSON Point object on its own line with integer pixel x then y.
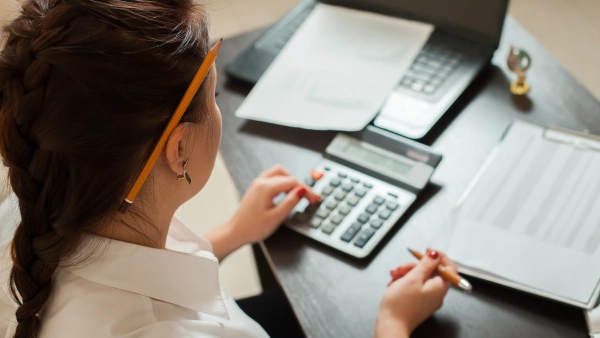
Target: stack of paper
{"type": "Point", "coordinates": [336, 71]}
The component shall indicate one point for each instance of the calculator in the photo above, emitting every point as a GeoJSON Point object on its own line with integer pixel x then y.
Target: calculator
{"type": "Point", "coordinates": [367, 181]}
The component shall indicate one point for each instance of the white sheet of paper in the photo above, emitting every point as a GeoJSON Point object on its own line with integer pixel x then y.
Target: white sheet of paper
{"type": "Point", "coordinates": [336, 71]}
{"type": "Point", "coordinates": [533, 216]}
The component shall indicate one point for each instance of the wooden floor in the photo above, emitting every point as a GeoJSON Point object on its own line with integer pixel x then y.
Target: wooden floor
{"type": "Point", "coordinates": [567, 28]}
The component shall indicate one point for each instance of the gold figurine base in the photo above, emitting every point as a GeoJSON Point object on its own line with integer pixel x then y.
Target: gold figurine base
{"type": "Point", "coordinates": [519, 88]}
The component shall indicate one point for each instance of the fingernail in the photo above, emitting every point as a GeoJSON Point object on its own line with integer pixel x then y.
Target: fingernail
{"type": "Point", "coordinates": [301, 192]}
{"type": "Point", "coordinates": [433, 254]}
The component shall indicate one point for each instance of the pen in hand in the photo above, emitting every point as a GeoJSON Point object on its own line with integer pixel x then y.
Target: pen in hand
{"type": "Point", "coordinates": [447, 275]}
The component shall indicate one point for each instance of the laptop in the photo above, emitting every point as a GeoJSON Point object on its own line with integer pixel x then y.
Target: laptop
{"type": "Point", "coordinates": [467, 34]}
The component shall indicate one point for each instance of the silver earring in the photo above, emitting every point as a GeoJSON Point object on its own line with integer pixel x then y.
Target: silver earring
{"type": "Point", "coordinates": [185, 174]}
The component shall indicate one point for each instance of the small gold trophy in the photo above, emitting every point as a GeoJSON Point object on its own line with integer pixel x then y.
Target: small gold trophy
{"type": "Point", "coordinates": [518, 62]}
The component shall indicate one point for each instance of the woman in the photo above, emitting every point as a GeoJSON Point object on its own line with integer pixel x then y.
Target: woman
{"type": "Point", "coordinates": [87, 88]}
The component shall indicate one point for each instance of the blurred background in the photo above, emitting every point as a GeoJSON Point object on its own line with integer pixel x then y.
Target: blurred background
{"type": "Point", "coordinates": [567, 28]}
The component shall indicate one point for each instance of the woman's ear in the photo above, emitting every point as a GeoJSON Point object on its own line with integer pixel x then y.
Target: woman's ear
{"type": "Point", "coordinates": [174, 151]}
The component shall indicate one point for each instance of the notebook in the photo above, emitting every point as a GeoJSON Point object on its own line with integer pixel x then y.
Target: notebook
{"type": "Point", "coordinates": [530, 219]}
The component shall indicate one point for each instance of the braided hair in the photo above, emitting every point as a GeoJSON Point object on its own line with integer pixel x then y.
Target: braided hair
{"type": "Point", "coordinates": [86, 88]}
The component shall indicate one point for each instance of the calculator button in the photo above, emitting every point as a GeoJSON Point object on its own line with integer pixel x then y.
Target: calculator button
{"type": "Point", "coordinates": [363, 218]}
{"type": "Point", "coordinates": [379, 200]}
{"type": "Point", "coordinates": [316, 175]}
{"type": "Point", "coordinates": [364, 237]}
{"type": "Point", "coordinates": [335, 182]}
{"type": "Point", "coordinates": [344, 210]}
{"type": "Point", "coordinates": [347, 187]}
{"type": "Point", "coordinates": [309, 181]}
{"type": "Point", "coordinates": [312, 208]}
{"type": "Point", "coordinates": [337, 219]}
{"type": "Point", "coordinates": [341, 195]}
{"type": "Point", "coordinates": [376, 223]}
{"type": "Point", "coordinates": [301, 217]}
{"type": "Point", "coordinates": [351, 232]}
{"type": "Point", "coordinates": [371, 209]}
{"type": "Point", "coordinates": [328, 228]}
{"type": "Point", "coordinates": [367, 185]}
{"type": "Point", "coordinates": [360, 193]}
{"type": "Point", "coordinates": [385, 214]}
{"type": "Point", "coordinates": [342, 175]}
{"type": "Point", "coordinates": [331, 204]}
{"type": "Point", "coordinates": [326, 168]}
{"type": "Point", "coordinates": [316, 222]}
{"type": "Point", "coordinates": [323, 213]}
{"type": "Point", "coordinates": [353, 201]}
{"type": "Point", "coordinates": [354, 180]}
{"type": "Point", "coordinates": [391, 205]}
{"type": "Point", "coordinates": [327, 190]}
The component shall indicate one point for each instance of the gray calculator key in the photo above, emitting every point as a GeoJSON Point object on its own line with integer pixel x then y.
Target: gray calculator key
{"type": "Point", "coordinates": [331, 204]}
{"type": "Point", "coordinates": [323, 213]}
{"type": "Point", "coordinates": [367, 185]}
{"type": "Point", "coordinates": [316, 222]}
{"type": "Point", "coordinates": [342, 175]}
{"type": "Point", "coordinates": [360, 193]}
{"type": "Point", "coordinates": [309, 181]}
{"type": "Point", "coordinates": [351, 232]}
{"type": "Point", "coordinates": [347, 187]}
{"type": "Point", "coordinates": [364, 237]}
{"type": "Point", "coordinates": [353, 201]}
{"type": "Point", "coordinates": [340, 195]}
{"type": "Point", "coordinates": [327, 190]}
{"type": "Point", "coordinates": [376, 223]}
{"type": "Point", "coordinates": [354, 180]}
{"type": "Point", "coordinates": [345, 210]}
{"type": "Point", "coordinates": [371, 209]}
{"type": "Point", "coordinates": [385, 214]}
{"type": "Point", "coordinates": [379, 200]}
{"type": "Point", "coordinates": [391, 205]}
{"type": "Point", "coordinates": [328, 228]}
{"type": "Point", "coordinates": [335, 182]}
{"type": "Point", "coordinates": [301, 217]}
{"type": "Point", "coordinates": [337, 219]}
{"type": "Point", "coordinates": [311, 209]}
{"type": "Point", "coordinates": [363, 218]}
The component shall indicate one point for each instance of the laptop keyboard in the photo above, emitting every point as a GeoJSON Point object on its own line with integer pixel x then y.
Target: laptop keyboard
{"type": "Point", "coordinates": [285, 34]}
{"type": "Point", "coordinates": [431, 68]}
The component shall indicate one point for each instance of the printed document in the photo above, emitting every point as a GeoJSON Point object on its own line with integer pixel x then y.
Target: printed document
{"type": "Point", "coordinates": [533, 214]}
{"type": "Point", "coordinates": [336, 71]}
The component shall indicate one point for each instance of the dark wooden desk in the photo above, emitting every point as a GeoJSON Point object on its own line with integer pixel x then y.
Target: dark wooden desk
{"type": "Point", "coordinates": [336, 296]}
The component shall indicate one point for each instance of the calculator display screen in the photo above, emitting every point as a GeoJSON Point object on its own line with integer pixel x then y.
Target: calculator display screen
{"type": "Point", "coordinates": [355, 151]}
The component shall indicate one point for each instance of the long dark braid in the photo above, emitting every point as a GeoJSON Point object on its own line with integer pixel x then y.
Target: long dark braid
{"type": "Point", "coordinates": [68, 72]}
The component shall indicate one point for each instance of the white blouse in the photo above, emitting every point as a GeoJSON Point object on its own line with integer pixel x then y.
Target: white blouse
{"type": "Point", "coordinates": [132, 291]}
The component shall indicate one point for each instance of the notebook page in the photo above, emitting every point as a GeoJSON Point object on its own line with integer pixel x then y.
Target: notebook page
{"type": "Point", "coordinates": [336, 71]}
{"type": "Point", "coordinates": [534, 216]}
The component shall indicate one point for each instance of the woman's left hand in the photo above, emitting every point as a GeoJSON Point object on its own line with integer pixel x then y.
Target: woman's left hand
{"type": "Point", "coordinates": [257, 216]}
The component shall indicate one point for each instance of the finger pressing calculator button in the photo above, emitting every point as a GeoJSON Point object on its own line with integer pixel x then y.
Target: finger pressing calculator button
{"type": "Point", "coordinates": [342, 175]}
{"type": "Point", "coordinates": [360, 193]}
{"type": "Point", "coordinates": [316, 222]}
{"type": "Point", "coordinates": [323, 213]}
{"type": "Point", "coordinates": [337, 219]}
{"type": "Point", "coordinates": [327, 190]}
{"type": "Point", "coordinates": [331, 204]}
{"type": "Point", "coordinates": [340, 195]}
{"type": "Point", "coordinates": [371, 209]}
{"type": "Point", "coordinates": [367, 185]}
{"type": "Point", "coordinates": [379, 200]}
{"type": "Point", "coordinates": [316, 175]}
{"type": "Point", "coordinates": [344, 210]}
{"type": "Point", "coordinates": [309, 181]}
{"type": "Point", "coordinates": [328, 228]}
{"type": "Point", "coordinates": [353, 201]}
{"type": "Point", "coordinates": [335, 182]}
{"type": "Point", "coordinates": [347, 187]}
{"type": "Point", "coordinates": [351, 232]}
{"type": "Point", "coordinates": [364, 237]}
{"type": "Point", "coordinates": [385, 214]}
{"type": "Point", "coordinates": [391, 205]}
{"type": "Point", "coordinates": [376, 223]}
{"type": "Point", "coordinates": [363, 218]}
{"type": "Point", "coordinates": [354, 180]}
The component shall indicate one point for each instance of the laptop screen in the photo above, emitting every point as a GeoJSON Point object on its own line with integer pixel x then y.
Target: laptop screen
{"type": "Point", "coordinates": [478, 20]}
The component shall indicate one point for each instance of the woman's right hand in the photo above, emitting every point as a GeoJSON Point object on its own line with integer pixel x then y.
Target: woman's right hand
{"type": "Point", "coordinates": [414, 297]}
